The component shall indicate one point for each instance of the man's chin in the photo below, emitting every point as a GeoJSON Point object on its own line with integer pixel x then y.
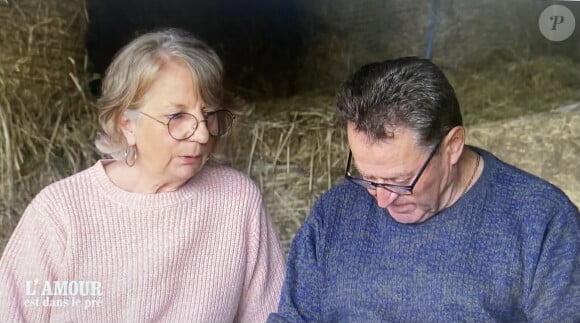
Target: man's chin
{"type": "Point", "coordinates": [405, 214]}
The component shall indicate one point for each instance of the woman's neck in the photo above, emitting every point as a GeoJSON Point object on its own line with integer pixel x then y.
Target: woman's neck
{"type": "Point", "coordinates": [135, 180]}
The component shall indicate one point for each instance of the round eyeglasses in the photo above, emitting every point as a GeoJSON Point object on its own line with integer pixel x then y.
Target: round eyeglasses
{"type": "Point", "coordinates": [397, 189]}
{"type": "Point", "coordinates": [182, 126]}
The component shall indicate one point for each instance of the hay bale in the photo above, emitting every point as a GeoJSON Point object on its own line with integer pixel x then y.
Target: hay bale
{"type": "Point", "coordinates": [346, 34]}
{"type": "Point", "coordinates": [294, 152]}
{"type": "Point", "coordinates": [47, 118]}
{"type": "Point", "coordinates": [503, 85]}
{"type": "Point", "coordinates": [545, 144]}
{"type": "Point", "coordinates": [42, 41]}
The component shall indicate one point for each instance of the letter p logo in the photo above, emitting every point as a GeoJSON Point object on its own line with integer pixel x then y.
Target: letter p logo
{"type": "Point", "coordinates": [557, 20]}
{"type": "Point", "coordinates": [557, 23]}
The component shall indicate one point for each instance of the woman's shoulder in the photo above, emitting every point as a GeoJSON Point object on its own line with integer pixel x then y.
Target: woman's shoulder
{"type": "Point", "coordinates": [231, 187]}
{"type": "Point", "coordinates": [75, 178]}
{"type": "Point", "coordinates": [75, 184]}
{"type": "Point", "coordinates": [223, 171]}
{"type": "Point", "coordinates": [221, 175]}
{"type": "Point", "coordinates": [53, 199]}
{"type": "Point", "coordinates": [70, 181]}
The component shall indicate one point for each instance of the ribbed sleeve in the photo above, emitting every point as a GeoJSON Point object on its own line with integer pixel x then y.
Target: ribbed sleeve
{"type": "Point", "coordinates": [205, 253]}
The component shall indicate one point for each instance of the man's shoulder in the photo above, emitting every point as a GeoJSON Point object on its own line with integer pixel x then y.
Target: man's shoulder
{"type": "Point", "coordinates": [345, 200]}
{"type": "Point", "coordinates": [344, 190]}
{"type": "Point", "coordinates": [524, 187]}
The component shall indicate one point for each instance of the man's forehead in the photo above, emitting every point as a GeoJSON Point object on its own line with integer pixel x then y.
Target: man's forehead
{"type": "Point", "coordinates": [399, 137]}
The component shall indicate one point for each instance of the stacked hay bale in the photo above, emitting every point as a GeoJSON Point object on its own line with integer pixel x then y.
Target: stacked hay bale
{"type": "Point", "coordinates": [545, 144]}
{"type": "Point", "coordinates": [46, 116]}
{"type": "Point", "coordinates": [342, 34]}
{"type": "Point", "coordinates": [504, 85]}
{"type": "Point", "coordinates": [295, 150]}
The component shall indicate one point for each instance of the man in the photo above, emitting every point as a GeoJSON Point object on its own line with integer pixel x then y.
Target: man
{"type": "Point", "coordinates": [425, 228]}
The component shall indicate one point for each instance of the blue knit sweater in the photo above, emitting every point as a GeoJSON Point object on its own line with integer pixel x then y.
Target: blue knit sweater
{"type": "Point", "coordinates": [507, 251]}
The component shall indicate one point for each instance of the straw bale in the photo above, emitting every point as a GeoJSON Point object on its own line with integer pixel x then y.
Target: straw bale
{"type": "Point", "coordinates": [545, 144]}
{"type": "Point", "coordinates": [42, 40]}
{"type": "Point", "coordinates": [504, 84]}
{"type": "Point", "coordinates": [349, 33]}
{"type": "Point", "coordinates": [46, 115]}
{"type": "Point", "coordinates": [294, 152]}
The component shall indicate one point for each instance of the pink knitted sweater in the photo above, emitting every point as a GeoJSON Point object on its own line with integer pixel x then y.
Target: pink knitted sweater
{"type": "Point", "coordinates": [87, 251]}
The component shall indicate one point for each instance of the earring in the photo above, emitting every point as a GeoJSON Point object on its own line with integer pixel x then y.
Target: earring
{"type": "Point", "coordinates": [130, 156]}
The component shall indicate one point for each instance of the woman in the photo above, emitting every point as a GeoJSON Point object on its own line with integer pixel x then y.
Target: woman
{"type": "Point", "coordinates": [161, 233]}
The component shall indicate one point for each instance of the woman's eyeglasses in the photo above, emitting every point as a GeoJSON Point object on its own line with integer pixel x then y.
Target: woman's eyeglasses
{"type": "Point", "coordinates": [182, 126]}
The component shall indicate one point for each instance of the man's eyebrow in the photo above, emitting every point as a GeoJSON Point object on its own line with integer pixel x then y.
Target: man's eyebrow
{"type": "Point", "coordinates": [400, 177]}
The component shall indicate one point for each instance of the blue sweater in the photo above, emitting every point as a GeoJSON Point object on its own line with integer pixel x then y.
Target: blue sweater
{"type": "Point", "coordinates": [507, 251]}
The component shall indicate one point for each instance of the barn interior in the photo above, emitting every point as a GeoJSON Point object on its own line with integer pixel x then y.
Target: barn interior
{"type": "Point", "coordinates": [515, 67]}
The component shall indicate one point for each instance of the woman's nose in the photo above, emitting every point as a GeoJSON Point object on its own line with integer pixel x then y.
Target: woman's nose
{"type": "Point", "coordinates": [201, 133]}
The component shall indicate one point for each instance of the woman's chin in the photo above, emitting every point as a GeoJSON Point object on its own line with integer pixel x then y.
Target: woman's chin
{"type": "Point", "coordinates": [186, 171]}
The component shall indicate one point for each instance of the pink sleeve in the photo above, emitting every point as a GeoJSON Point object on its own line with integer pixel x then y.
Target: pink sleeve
{"type": "Point", "coordinates": [265, 271]}
{"type": "Point", "coordinates": [31, 258]}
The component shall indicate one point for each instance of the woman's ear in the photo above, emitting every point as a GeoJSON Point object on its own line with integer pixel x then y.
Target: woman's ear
{"type": "Point", "coordinates": [454, 143]}
{"type": "Point", "coordinates": [127, 125]}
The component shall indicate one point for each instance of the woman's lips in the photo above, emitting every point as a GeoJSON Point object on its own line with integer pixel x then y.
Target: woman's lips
{"type": "Point", "coordinates": [189, 159]}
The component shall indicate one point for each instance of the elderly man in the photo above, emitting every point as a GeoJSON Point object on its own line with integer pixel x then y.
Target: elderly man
{"type": "Point", "coordinates": [425, 228]}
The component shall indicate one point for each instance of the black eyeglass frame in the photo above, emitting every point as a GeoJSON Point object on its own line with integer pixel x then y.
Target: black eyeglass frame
{"type": "Point", "coordinates": [230, 115]}
{"type": "Point", "coordinates": [397, 189]}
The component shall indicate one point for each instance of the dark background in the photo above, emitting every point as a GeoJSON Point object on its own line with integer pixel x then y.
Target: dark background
{"type": "Point", "coordinates": [279, 48]}
{"type": "Point", "coordinates": [260, 41]}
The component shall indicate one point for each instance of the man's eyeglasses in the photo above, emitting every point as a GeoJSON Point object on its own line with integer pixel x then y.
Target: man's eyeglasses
{"type": "Point", "coordinates": [182, 126]}
{"type": "Point", "coordinates": [398, 189]}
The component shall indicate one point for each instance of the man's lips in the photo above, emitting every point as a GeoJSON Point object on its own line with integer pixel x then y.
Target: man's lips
{"type": "Point", "coordinates": [400, 207]}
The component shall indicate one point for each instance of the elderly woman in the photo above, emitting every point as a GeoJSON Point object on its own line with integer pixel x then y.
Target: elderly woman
{"type": "Point", "coordinates": [160, 233]}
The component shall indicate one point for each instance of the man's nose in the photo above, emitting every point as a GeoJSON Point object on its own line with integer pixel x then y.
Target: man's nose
{"type": "Point", "coordinates": [385, 197]}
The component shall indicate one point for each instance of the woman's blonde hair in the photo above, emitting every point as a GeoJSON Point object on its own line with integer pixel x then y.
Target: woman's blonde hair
{"type": "Point", "coordinates": [135, 68]}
